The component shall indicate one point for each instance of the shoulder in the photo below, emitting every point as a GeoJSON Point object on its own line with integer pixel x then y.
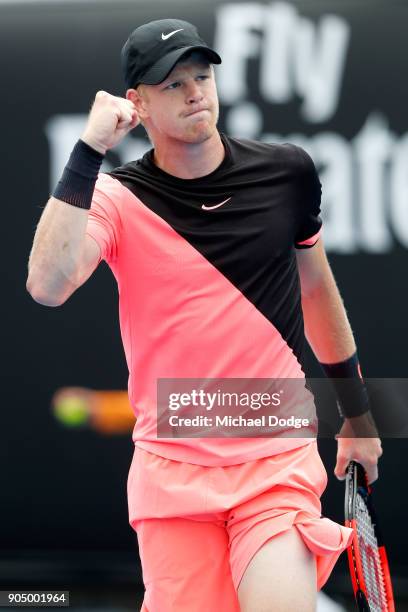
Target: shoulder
{"type": "Point", "coordinates": [108, 193]}
{"type": "Point", "coordinates": [287, 154]}
{"type": "Point", "coordinates": [109, 184]}
{"type": "Point", "coordinates": [126, 171]}
{"type": "Point", "coordinates": [304, 161]}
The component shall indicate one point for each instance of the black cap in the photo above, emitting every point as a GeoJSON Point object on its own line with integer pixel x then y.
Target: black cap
{"type": "Point", "coordinates": [153, 49]}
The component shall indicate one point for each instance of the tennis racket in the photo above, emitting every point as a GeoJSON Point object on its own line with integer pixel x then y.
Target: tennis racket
{"type": "Point", "coordinates": [367, 558]}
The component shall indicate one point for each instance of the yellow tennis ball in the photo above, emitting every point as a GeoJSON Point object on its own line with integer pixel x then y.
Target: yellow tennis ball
{"type": "Point", "coordinates": [72, 411]}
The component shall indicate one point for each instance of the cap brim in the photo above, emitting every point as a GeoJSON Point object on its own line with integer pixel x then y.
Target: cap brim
{"type": "Point", "coordinates": [160, 70]}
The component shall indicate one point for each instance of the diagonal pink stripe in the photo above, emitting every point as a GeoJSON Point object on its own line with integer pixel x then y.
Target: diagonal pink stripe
{"type": "Point", "coordinates": [312, 240]}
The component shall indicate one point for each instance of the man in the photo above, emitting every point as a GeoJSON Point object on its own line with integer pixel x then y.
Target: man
{"type": "Point", "coordinates": [215, 244]}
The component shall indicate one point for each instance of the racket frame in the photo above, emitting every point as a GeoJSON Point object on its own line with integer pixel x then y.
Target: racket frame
{"type": "Point", "coordinates": [356, 481]}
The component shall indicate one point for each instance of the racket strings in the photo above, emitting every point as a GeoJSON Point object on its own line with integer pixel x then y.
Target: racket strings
{"type": "Point", "coordinates": [370, 558]}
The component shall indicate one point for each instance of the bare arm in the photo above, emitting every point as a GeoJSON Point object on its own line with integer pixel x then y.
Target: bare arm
{"type": "Point", "coordinates": [329, 334]}
{"type": "Point", "coordinates": [327, 328]}
{"type": "Point", "coordinates": [63, 256]}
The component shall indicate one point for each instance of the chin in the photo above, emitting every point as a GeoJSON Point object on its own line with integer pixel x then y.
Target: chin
{"type": "Point", "coordinates": [201, 132]}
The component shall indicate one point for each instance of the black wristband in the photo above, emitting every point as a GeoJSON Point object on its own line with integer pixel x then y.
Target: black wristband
{"type": "Point", "coordinates": [352, 396]}
{"type": "Point", "coordinates": [77, 183]}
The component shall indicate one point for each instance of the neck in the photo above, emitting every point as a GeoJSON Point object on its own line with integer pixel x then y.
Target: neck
{"type": "Point", "coordinates": [189, 161]}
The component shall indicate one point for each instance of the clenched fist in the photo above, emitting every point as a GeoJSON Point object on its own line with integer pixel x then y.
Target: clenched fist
{"type": "Point", "coordinates": [110, 119]}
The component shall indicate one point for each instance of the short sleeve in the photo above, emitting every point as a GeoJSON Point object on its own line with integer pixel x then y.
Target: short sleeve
{"type": "Point", "coordinates": [309, 225]}
{"type": "Point", "coordinates": [104, 220]}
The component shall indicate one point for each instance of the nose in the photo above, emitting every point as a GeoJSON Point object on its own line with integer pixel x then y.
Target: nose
{"type": "Point", "coordinates": [194, 93]}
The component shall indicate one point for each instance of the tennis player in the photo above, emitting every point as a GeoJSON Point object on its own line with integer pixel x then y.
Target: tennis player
{"type": "Point", "coordinates": [216, 246]}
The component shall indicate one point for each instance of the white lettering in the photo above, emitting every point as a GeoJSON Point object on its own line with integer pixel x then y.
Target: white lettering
{"type": "Point", "coordinates": [276, 78]}
{"type": "Point", "coordinates": [297, 58]}
{"type": "Point", "coordinates": [333, 153]}
{"type": "Point", "coordinates": [399, 191]}
{"type": "Point", "coordinates": [373, 147]}
{"type": "Point", "coordinates": [244, 120]}
{"type": "Point", "coordinates": [236, 43]}
{"type": "Point", "coordinates": [365, 180]}
{"type": "Point", "coordinates": [320, 54]}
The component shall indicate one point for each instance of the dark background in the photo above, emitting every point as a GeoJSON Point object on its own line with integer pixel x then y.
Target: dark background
{"type": "Point", "coordinates": [63, 491]}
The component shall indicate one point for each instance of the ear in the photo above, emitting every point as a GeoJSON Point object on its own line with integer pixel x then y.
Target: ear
{"type": "Point", "coordinates": [140, 102]}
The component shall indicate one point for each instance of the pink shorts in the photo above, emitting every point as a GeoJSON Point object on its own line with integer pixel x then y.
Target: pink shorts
{"type": "Point", "coordinates": [198, 527]}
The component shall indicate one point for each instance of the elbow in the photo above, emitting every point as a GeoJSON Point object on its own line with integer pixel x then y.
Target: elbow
{"type": "Point", "coordinates": [42, 297]}
{"type": "Point", "coordinates": [45, 300]}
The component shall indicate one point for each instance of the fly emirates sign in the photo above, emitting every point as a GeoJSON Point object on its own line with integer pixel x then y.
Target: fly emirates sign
{"type": "Point", "coordinates": [275, 60]}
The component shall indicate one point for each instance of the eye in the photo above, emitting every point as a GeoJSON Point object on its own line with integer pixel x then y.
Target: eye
{"type": "Point", "coordinates": [173, 85]}
{"type": "Point", "coordinates": [203, 77]}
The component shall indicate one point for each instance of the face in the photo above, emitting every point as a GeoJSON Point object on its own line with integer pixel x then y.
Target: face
{"type": "Point", "coordinates": [184, 107]}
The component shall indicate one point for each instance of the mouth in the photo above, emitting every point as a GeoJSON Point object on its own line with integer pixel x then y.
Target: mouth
{"type": "Point", "coordinates": [196, 112]}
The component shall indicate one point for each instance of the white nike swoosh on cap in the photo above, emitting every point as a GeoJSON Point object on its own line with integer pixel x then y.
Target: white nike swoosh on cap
{"type": "Point", "coordinates": [166, 36]}
{"type": "Point", "coordinates": [204, 207]}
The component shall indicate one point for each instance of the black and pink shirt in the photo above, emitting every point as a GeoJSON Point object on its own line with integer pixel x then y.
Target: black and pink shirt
{"type": "Point", "coordinates": [207, 279]}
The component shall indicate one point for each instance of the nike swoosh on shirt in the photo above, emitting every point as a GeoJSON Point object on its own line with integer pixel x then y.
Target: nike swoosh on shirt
{"type": "Point", "coordinates": [204, 207]}
{"type": "Point", "coordinates": [166, 36]}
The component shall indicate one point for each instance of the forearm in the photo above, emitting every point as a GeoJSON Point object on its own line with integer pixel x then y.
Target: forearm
{"type": "Point", "coordinates": [54, 259]}
{"type": "Point", "coordinates": [54, 263]}
{"type": "Point", "coordinates": [54, 268]}
{"type": "Point", "coordinates": [329, 334]}
{"type": "Point", "coordinates": [327, 328]}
